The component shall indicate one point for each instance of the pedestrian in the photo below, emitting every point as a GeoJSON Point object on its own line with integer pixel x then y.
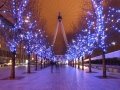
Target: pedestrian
{"type": "Point", "coordinates": [52, 64]}
{"type": "Point", "coordinates": [57, 66]}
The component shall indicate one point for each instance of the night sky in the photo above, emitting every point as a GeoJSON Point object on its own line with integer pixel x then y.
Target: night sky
{"type": "Point", "coordinates": [70, 12]}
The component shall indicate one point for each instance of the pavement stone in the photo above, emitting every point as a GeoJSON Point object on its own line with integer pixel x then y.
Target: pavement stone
{"type": "Point", "coordinates": [68, 78]}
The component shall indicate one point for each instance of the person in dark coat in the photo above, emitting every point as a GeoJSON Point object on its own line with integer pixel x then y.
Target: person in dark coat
{"type": "Point", "coordinates": [57, 66]}
{"type": "Point", "coordinates": [52, 64]}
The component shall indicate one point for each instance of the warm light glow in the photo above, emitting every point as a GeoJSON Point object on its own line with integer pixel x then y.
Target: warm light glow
{"type": "Point", "coordinates": [113, 43]}
{"type": "Point", "coordinates": [0, 45]}
{"type": "Point", "coordinates": [67, 62]}
{"type": "Point", "coordinates": [26, 20]}
{"type": "Point", "coordinates": [26, 61]}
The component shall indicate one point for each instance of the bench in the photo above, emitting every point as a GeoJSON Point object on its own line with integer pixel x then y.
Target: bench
{"type": "Point", "coordinates": [94, 66]}
{"type": "Point", "coordinates": [110, 69]}
{"type": "Point", "coordinates": [101, 68]}
{"type": "Point", "coordinates": [1, 65]}
{"type": "Point", "coordinates": [115, 70]}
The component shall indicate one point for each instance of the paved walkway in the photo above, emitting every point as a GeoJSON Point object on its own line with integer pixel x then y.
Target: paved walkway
{"type": "Point", "coordinates": [68, 78]}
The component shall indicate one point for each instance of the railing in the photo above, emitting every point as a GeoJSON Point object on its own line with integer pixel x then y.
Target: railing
{"type": "Point", "coordinates": [110, 68]}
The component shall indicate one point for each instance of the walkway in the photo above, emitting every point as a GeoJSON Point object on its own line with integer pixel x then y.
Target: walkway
{"type": "Point", "coordinates": [68, 78]}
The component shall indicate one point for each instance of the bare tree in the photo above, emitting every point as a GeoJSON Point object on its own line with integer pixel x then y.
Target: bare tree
{"type": "Point", "coordinates": [2, 3]}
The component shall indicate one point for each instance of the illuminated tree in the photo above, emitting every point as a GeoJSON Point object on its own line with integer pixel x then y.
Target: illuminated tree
{"type": "Point", "coordinates": [104, 21]}
{"type": "Point", "coordinates": [77, 49]}
{"type": "Point", "coordinates": [30, 36]}
{"type": "Point", "coordinates": [89, 35]}
{"type": "Point", "coordinates": [49, 53]}
{"type": "Point", "coordinates": [112, 21]}
{"type": "Point", "coordinates": [98, 29]}
{"type": "Point", "coordinates": [70, 54]}
{"type": "Point", "coordinates": [89, 41]}
{"type": "Point", "coordinates": [81, 47]}
{"type": "Point", "coordinates": [15, 10]}
{"type": "Point", "coordinates": [43, 47]}
{"type": "Point", "coordinates": [38, 46]}
{"type": "Point", "coordinates": [34, 38]}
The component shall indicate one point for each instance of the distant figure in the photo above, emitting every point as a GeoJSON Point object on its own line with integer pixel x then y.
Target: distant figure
{"type": "Point", "coordinates": [57, 66]}
{"type": "Point", "coordinates": [52, 64]}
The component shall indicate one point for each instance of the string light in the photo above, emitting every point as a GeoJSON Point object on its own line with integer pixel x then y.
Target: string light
{"type": "Point", "coordinates": [88, 40]}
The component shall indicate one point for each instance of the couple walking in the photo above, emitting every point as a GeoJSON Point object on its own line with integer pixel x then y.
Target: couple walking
{"type": "Point", "coordinates": [56, 65]}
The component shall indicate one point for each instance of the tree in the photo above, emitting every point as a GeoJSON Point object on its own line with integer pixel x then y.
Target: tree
{"type": "Point", "coordinates": [15, 10]}
{"type": "Point", "coordinates": [39, 47]}
{"type": "Point", "coordinates": [102, 25]}
{"type": "Point", "coordinates": [77, 49]}
{"type": "Point", "coordinates": [99, 27]}
{"type": "Point", "coordinates": [1, 5]}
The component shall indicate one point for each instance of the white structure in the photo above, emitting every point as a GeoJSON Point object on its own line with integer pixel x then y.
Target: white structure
{"type": "Point", "coordinates": [63, 31]}
{"type": "Point", "coordinates": [115, 54]}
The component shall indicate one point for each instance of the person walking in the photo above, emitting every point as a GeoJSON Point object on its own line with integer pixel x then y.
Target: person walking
{"type": "Point", "coordinates": [57, 66]}
{"type": "Point", "coordinates": [52, 64]}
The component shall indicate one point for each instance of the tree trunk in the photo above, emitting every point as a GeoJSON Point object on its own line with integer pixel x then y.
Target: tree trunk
{"type": "Point", "coordinates": [28, 70]}
{"type": "Point", "coordinates": [48, 62]}
{"type": "Point", "coordinates": [90, 63]}
{"type": "Point", "coordinates": [104, 65]}
{"type": "Point", "coordinates": [44, 64]}
{"type": "Point", "coordinates": [78, 63]}
{"type": "Point", "coordinates": [82, 64]}
{"type": "Point", "coordinates": [73, 63]}
{"type": "Point", "coordinates": [41, 64]}
{"type": "Point", "coordinates": [12, 75]}
{"type": "Point", "coordinates": [36, 63]}
{"type": "Point", "coordinates": [19, 61]}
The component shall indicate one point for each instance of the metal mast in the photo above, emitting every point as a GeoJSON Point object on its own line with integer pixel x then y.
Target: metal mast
{"type": "Point", "coordinates": [62, 28]}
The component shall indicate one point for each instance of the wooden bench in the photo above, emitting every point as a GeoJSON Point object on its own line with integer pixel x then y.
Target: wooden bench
{"type": "Point", "coordinates": [110, 69]}
{"type": "Point", "coordinates": [1, 65]}
{"type": "Point", "coordinates": [94, 66]}
{"type": "Point", "coordinates": [115, 70]}
{"type": "Point", "coordinates": [101, 68]}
